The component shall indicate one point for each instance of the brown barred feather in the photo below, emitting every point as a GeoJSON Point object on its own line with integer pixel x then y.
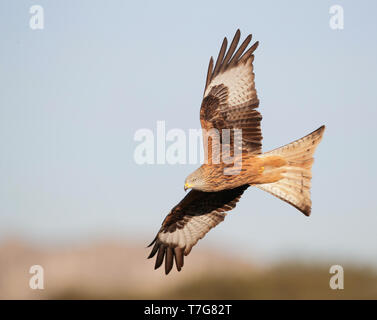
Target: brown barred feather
{"type": "Point", "coordinates": [236, 110]}
{"type": "Point", "coordinates": [189, 221]}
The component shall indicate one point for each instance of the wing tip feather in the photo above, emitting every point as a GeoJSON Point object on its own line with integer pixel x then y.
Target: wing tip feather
{"type": "Point", "coordinates": [231, 57]}
{"type": "Point", "coordinates": [176, 251]}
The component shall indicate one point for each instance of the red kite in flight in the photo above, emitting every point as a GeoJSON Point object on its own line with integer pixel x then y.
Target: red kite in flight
{"type": "Point", "coordinates": [230, 102]}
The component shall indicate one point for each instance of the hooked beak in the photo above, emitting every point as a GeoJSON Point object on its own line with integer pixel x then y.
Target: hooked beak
{"type": "Point", "coordinates": [187, 186]}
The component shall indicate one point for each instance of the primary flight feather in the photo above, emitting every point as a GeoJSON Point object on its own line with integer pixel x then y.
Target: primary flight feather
{"type": "Point", "coordinates": [229, 104]}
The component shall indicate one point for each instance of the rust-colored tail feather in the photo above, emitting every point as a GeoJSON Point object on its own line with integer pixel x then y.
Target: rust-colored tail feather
{"type": "Point", "coordinates": [294, 187]}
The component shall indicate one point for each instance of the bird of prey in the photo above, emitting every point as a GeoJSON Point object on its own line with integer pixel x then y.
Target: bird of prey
{"type": "Point", "coordinates": [230, 102]}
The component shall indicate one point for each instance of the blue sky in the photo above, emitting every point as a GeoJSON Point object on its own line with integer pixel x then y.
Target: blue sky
{"type": "Point", "coordinates": [73, 94]}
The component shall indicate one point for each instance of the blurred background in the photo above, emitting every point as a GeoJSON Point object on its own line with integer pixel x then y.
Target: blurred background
{"type": "Point", "coordinates": [73, 200]}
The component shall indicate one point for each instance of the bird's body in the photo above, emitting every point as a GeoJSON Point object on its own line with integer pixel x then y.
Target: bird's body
{"type": "Point", "coordinates": [252, 169]}
{"type": "Point", "coordinates": [233, 158]}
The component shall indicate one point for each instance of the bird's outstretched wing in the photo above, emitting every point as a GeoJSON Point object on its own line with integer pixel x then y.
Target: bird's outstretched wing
{"type": "Point", "coordinates": [189, 221]}
{"type": "Point", "coordinates": [230, 98]}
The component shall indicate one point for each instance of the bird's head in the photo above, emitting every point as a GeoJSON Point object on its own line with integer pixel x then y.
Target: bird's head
{"type": "Point", "coordinates": [194, 181]}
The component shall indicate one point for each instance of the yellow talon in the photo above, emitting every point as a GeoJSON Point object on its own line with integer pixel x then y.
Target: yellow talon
{"type": "Point", "coordinates": [261, 169]}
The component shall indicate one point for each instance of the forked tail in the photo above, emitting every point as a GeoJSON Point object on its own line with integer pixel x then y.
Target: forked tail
{"type": "Point", "coordinates": [294, 187]}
